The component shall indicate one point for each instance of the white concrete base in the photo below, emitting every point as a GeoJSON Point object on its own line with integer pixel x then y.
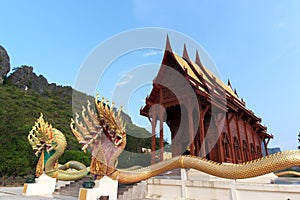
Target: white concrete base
{"type": "Point", "coordinates": [44, 186]}
{"type": "Point", "coordinates": [103, 187]}
{"type": "Point", "coordinates": [219, 189]}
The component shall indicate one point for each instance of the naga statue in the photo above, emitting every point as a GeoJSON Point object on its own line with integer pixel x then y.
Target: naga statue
{"type": "Point", "coordinates": [50, 144]}
{"type": "Point", "coordinates": [103, 133]}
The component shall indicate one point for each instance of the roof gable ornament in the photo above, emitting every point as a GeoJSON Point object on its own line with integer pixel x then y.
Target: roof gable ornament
{"type": "Point", "coordinates": [185, 54]}
{"type": "Point", "coordinates": [198, 61]}
{"type": "Point", "coordinates": [243, 101]}
{"type": "Point", "coordinates": [235, 92]}
{"type": "Point", "coordinates": [229, 84]}
{"type": "Point", "coordinates": [168, 45]}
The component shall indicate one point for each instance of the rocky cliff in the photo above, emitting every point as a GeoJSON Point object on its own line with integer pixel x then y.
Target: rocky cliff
{"type": "Point", "coordinates": [4, 64]}
{"type": "Point", "coordinates": [24, 78]}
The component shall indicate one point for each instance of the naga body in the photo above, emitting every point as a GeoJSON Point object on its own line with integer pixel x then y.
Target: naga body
{"type": "Point", "coordinates": [103, 133]}
{"type": "Point", "coordinates": [50, 144]}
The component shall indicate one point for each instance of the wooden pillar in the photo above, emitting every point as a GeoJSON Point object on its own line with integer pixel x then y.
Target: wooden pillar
{"type": "Point", "coordinates": [153, 142]}
{"type": "Point", "coordinates": [191, 129]}
{"type": "Point", "coordinates": [239, 137]}
{"type": "Point", "coordinates": [161, 126]}
{"type": "Point", "coordinates": [203, 112]}
{"type": "Point", "coordinates": [266, 145]}
{"type": "Point", "coordinates": [201, 133]}
{"type": "Point", "coordinates": [228, 120]}
{"type": "Point", "coordinates": [254, 140]}
{"type": "Point", "coordinates": [161, 136]}
{"type": "Point", "coordinates": [197, 143]}
{"type": "Point", "coordinates": [247, 140]}
{"type": "Point", "coordinates": [259, 141]}
{"type": "Point", "coordinates": [220, 145]}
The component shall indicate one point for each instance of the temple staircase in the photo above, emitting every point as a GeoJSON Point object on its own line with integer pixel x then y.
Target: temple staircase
{"type": "Point", "coordinates": [72, 188]}
{"type": "Point", "coordinates": [134, 191]}
{"type": "Point", "coordinates": [122, 188]}
{"type": "Point", "coordinates": [131, 191]}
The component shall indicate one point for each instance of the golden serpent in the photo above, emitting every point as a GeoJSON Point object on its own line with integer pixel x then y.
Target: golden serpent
{"type": "Point", "coordinates": [105, 151]}
{"type": "Point", "coordinates": [249, 169]}
{"type": "Point", "coordinates": [45, 139]}
{"type": "Point", "coordinates": [51, 144]}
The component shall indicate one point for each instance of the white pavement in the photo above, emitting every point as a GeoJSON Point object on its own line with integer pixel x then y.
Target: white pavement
{"type": "Point", "coordinates": [15, 193]}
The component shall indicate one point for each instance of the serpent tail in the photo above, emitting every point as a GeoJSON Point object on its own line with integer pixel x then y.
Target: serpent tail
{"type": "Point", "coordinates": [258, 167]}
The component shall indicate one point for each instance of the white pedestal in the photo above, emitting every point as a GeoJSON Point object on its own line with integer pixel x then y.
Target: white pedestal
{"type": "Point", "coordinates": [44, 186]}
{"type": "Point", "coordinates": [104, 187]}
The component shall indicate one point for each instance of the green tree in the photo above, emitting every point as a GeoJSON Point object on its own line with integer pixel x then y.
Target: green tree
{"type": "Point", "coordinates": [80, 156]}
{"type": "Point", "coordinates": [20, 109]}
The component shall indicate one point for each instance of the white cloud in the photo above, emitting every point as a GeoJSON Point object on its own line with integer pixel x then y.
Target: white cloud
{"type": "Point", "coordinates": [152, 53]}
{"type": "Point", "coordinates": [126, 79]}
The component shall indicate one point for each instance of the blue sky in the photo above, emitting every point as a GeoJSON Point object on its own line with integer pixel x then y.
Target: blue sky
{"type": "Point", "coordinates": [253, 43]}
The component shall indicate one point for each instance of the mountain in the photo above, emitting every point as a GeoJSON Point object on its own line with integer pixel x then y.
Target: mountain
{"type": "Point", "coordinates": [24, 95]}
{"type": "Point", "coordinates": [274, 150]}
{"type": "Point", "coordinates": [4, 64]}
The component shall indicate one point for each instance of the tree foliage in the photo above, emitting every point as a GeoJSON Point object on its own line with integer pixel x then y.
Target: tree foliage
{"type": "Point", "coordinates": [79, 156]}
{"type": "Point", "coordinates": [18, 111]}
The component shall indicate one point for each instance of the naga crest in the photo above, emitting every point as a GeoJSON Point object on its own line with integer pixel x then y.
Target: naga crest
{"type": "Point", "coordinates": [43, 138]}
{"type": "Point", "coordinates": [103, 133]}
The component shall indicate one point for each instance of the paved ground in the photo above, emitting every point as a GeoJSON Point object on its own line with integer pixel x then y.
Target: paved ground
{"type": "Point", "coordinates": [15, 193]}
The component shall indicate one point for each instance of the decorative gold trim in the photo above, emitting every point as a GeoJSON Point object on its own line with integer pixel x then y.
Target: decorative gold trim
{"type": "Point", "coordinates": [40, 166]}
{"type": "Point", "coordinates": [25, 188]}
{"type": "Point", "coordinates": [82, 194]}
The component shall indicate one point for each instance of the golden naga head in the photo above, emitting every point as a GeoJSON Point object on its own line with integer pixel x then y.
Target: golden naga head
{"type": "Point", "coordinates": [105, 121]}
{"type": "Point", "coordinates": [40, 136]}
{"type": "Point", "coordinates": [112, 123]}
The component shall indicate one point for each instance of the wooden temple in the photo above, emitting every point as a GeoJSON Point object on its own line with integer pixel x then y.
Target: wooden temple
{"type": "Point", "coordinates": [210, 122]}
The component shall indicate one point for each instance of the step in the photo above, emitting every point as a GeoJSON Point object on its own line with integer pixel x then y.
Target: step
{"type": "Point", "coordinates": [123, 188]}
{"type": "Point", "coordinates": [72, 189]}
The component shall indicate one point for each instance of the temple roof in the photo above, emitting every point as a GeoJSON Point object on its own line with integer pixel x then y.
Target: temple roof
{"type": "Point", "coordinates": [198, 71]}
{"type": "Point", "coordinates": [203, 71]}
{"type": "Point", "coordinates": [203, 80]}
